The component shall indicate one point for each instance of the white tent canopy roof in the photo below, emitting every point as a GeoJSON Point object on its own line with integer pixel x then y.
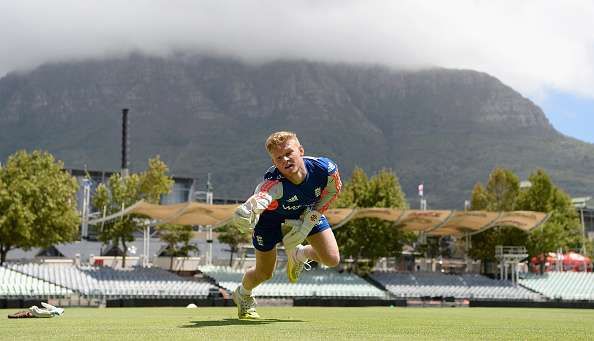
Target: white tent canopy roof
{"type": "Point", "coordinates": [432, 222]}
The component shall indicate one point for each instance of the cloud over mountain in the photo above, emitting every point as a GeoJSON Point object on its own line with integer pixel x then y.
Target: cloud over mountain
{"type": "Point", "coordinates": [531, 45]}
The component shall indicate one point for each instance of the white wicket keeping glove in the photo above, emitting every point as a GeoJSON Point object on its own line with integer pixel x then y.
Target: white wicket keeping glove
{"type": "Point", "coordinates": [55, 311]}
{"type": "Point", "coordinates": [300, 229]}
{"type": "Point", "coordinates": [39, 312]}
{"type": "Point", "coordinates": [244, 217]}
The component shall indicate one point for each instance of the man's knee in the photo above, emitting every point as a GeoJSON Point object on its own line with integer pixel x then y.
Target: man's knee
{"type": "Point", "coordinates": [331, 259]}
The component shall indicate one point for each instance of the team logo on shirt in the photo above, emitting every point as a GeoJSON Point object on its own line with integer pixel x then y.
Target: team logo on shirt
{"type": "Point", "coordinates": [331, 166]}
{"type": "Point", "coordinates": [317, 191]}
{"type": "Point", "coordinates": [293, 199]}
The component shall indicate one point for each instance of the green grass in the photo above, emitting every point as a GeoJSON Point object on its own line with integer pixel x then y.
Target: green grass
{"type": "Point", "coordinates": [305, 323]}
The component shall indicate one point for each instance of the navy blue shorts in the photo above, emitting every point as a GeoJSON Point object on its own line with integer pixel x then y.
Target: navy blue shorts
{"type": "Point", "coordinates": [265, 238]}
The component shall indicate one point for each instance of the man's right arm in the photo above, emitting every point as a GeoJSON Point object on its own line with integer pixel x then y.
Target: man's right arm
{"type": "Point", "coordinates": [247, 214]}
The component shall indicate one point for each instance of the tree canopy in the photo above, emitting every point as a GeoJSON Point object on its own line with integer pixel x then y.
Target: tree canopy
{"type": "Point", "coordinates": [366, 240]}
{"type": "Point", "coordinates": [37, 202]}
{"type": "Point", "coordinates": [563, 229]}
{"type": "Point", "coordinates": [121, 192]}
{"type": "Point", "coordinates": [233, 236]}
{"type": "Point", "coordinates": [178, 239]}
{"type": "Point", "coordinates": [502, 193]}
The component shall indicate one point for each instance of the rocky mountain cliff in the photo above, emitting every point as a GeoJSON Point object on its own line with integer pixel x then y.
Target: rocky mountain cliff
{"type": "Point", "coordinates": [446, 128]}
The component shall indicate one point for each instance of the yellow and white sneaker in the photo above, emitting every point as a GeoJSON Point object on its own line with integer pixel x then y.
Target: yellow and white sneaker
{"type": "Point", "coordinates": [246, 306]}
{"type": "Point", "coordinates": [294, 265]}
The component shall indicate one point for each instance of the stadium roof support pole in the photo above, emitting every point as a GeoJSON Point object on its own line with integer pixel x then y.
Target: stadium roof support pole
{"type": "Point", "coordinates": [467, 241]}
{"type": "Point", "coordinates": [146, 245]}
{"type": "Point", "coordinates": [208, 199]}
{"type": "Point", "coordinates": [467, 246]}
{"type": "Point", "coordinates": [584, 238]}
{"type": "Point", "coordinates": [580, 204]}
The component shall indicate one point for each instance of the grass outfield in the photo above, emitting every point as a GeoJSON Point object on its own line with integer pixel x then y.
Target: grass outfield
{"type": "Point", "coordinates": [304, 323]}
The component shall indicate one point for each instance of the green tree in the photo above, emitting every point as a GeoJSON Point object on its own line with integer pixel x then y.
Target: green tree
{"type": "Point", "coordinates": [178, 239]}
{"type": "Point", "coordinates": [500, 194]}
{"type": "Point", "coordinates": [354, 191]}
{"type": "Point", "coordinates": [502, 190]}
{"type": "Point", "coordinates": [120, 193]}
{"type": "Point", "coordinates": [366, 240]}
{"type": "Point", "coordinates": [37, 203]}
{"type": "Point", "coordinates": [563, 228]}
{"type": "Point", "coordinates": [483, 244]}
{"type": "Point", "coordinates": [154, 182]}
{"type": "Point", "coordinates": [479, 199]}
{"type": "Point", "coordinates": [233, 236]}
{"type": "Point", "coordinates": [589, 248]}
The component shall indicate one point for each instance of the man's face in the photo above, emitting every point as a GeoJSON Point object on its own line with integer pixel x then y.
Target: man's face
{"type": "Point", "coordinates": [287, 158]}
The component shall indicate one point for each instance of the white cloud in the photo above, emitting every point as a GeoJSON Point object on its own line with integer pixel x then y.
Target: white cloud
{"type": "Point", "coordinates": [532, 45]}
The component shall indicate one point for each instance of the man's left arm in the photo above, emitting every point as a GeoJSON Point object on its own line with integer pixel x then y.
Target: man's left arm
{"type": "Point", "coordinates": [312, 216]}
{"type": "Point", "coordinates": [330, 192]}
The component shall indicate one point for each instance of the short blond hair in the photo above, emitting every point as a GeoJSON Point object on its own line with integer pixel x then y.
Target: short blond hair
{"type": "Point", "coordinates": [279, 139]}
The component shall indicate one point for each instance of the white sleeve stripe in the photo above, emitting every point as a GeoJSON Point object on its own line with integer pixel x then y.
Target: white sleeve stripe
{"type": "Point", "coordinates": [265, 193]}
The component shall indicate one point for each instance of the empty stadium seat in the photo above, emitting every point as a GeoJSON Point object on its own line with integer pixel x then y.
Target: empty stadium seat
{"type": "Point", "coordinates": [314, 283]}
{"type": "Point", "coordinates": [432, 284]}
{"type": "Point", "coordinates": [561, 285]}
{"type": "Point", "coordinates": [16, 284]}
{"type": "Point", "coordinates": [112, 283]}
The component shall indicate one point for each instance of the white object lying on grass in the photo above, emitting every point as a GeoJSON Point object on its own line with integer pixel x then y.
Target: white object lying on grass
{"type": "Point", "coordinates": [49, 311]}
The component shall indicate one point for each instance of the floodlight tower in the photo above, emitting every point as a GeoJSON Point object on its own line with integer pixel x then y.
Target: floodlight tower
{"type": "Point", "coordinates": [209, 195]}
{"type": "Point", "coordinates": [125, 143]}
{"type": "Point", "coordinates": [208, 199]}
{"type": "Point", "coordinates": [85, 207]}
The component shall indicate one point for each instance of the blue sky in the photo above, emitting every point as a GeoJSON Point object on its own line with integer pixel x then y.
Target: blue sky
{"type": "Point", "coordinates": [544, 49]}
{"type": "Point", "coordinates": [570, 114]}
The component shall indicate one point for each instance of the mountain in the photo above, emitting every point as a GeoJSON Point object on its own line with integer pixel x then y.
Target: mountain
{"type": "Point", "coordinates": [446, 128]}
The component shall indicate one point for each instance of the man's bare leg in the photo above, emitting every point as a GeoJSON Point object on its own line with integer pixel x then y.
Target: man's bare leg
{"type": "Point", "coordinates": [242, 296]}
{"type": "Point", "coordinates": [322, 248]}
{"type": "Point", "coordinates": [263, 271]}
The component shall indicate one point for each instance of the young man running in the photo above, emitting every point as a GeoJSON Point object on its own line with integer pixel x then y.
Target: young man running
{"type": "Point", "coordinates": [295, 192]}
